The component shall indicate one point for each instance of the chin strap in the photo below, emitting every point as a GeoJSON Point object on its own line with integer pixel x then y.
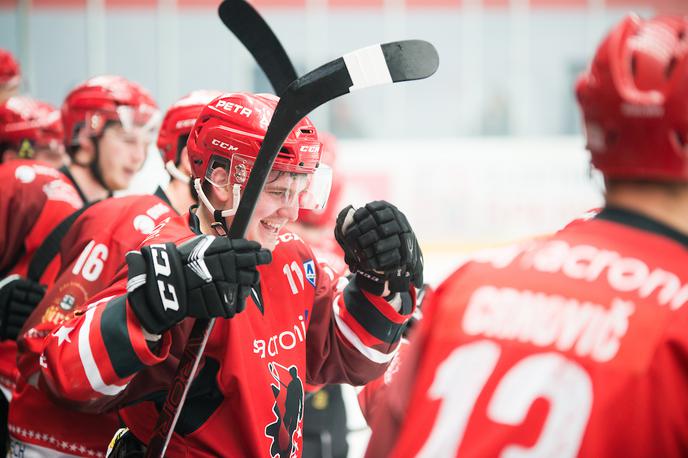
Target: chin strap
{"type": "Point", "coordinates": [219, 216]}
{"type": "Point", "coordinates": [176, 173]}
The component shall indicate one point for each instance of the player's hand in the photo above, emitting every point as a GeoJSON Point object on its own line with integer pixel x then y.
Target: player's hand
{"type": "Point", "coordinates": [379, 247]}
{"type": "Point", "coordinates": [205, 277]}
{"type": "Point", "coordinates": [18, 298]}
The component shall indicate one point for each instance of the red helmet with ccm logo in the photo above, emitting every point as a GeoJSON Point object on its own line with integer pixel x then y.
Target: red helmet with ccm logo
{"type": "Point", "coordinates": [634, 100]}
{"type": "Point", "coordinates": [107, 98]}
{"type": "Point", "coordinates": [23, 119]}
{"type": "Point", "coordinates": [228, 134]}
{"type": "Point", "coordinates": [179, 120]}
{"type": "Point", "coordinates": [233, 125]}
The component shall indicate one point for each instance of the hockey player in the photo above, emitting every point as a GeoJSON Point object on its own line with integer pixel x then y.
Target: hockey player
{"type": "Point", "coordinates": [109, 122]}
{"type": "Point", "coordinates": [91, 251]}
{"type": "Point", "coordinates": [574, 344]}
{"type": "Point", "coordinates": [247, 399]}
{"type": "Point", "coordinates": [31, 129]}
{"type": "Point", "coordinates": [35, 198]}
{"type": "Point", "coordinates": [10, 75]}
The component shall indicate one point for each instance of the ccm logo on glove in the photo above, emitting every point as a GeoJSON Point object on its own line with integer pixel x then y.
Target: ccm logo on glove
{"type": "Point", "coordinates": [161, 266]}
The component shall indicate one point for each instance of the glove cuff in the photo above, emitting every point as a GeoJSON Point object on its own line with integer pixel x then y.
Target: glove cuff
{"type": "Point", "coordinates": [370, 282]}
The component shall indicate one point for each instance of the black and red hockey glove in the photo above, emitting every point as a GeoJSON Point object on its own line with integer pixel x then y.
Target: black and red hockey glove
{"type": "Point", "coordinates": [205, 277]}
{"type": "Point", "coordinates": [380, 246]}
{"type": "Point", "coordinates": [18, 298]}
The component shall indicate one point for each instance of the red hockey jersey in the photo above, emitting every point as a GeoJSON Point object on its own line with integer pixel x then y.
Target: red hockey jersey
{"type": "Point", "coordinates": [573, 345]}
{"type": "Point", "coordinates": [92, 252]}
{"type": "Point", "coordinates": [247, 399]}
{"type": "Point", "coordinates": [35, 198]}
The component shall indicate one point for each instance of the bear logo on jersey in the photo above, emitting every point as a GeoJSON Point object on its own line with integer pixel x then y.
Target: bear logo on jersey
{"type": "Point", "coordinates": [288, 411]}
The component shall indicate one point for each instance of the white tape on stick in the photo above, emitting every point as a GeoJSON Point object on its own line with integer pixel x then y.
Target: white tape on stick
{"type": "Point", "coordinates": [367, 67]}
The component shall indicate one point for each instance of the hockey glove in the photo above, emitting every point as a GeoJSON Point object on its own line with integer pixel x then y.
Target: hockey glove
{"type": "Point", "coordinates": [379, 246]}
{"type": "Point", "coordinates": [18, 298]}
{"type": "Point", "coordinates": [206, 277]}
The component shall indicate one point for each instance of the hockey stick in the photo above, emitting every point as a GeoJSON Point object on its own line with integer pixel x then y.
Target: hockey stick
{"type": "Point", "coordinates": [372, 66]}
{"type": "Point", "coordinates": [259, 39]}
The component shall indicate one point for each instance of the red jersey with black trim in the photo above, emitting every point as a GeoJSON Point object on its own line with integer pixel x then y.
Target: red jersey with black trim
{"type": "Point", "coordinates": [247, 399]}
{"type": "Point", "coordinates": [35, 198]}
{"type": "Point", "coordinates": [92, 252]}
{"type": "Point", "coordinates": [572, 345]}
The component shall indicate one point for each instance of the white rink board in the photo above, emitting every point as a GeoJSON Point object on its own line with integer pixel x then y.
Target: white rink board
{"type": "Point", "coordinates": [461, 194]}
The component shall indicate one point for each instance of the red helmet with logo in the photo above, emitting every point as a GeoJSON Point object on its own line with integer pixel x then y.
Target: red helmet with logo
{"type": "Point", "coordinates": [634, 98]}
{"type": "Point", "coordinates": [26, 123]}
{"type": "Point", "coordinates": [101, 99]}
{"type": "Point", "coordinates": [228, 134]}
{"type": "Point", "coordinates": [179, 120]}
{"type": "Point", "coordinates": [9, 69]}
{"type": "Point", "coordinates": [326, 216]}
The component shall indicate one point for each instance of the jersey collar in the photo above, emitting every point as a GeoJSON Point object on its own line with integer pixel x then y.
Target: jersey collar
{"type": "Point", "coordinates": [630, 218]}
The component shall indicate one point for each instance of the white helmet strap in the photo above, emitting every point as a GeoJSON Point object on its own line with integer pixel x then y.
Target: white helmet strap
{"type": "Point", "coordinates": [236, 194]}
{"type": "Point", "coordinates": [176, 173]}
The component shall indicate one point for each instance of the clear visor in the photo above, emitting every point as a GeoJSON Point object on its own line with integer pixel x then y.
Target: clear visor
{"type": "Point", "coordinates": [309, 191]}
{"type": "Point", "coordinates": [143, 120]}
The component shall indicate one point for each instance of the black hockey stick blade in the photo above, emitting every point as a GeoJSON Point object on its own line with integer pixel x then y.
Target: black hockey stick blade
{"type": "Point", "coordinates": [259, 39]}
{"type": "Point", "coordinates": [372, 66]}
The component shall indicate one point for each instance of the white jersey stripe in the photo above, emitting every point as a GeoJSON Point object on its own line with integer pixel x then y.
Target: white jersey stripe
{"type": "Point", "coordinates": [370, 353]}
{"type": "Point", "coordinates": [88, 361]}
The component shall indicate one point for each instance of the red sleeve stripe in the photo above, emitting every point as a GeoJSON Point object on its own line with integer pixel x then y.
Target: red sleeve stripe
{"type": "Point", "coordinates": [370, 353]}
{"type": "Point", "coordinates": [363, 332]}
{"type": "Point", "coordinates": [88, 360]}
{"type": "Point", "coordinates": [386, 309]}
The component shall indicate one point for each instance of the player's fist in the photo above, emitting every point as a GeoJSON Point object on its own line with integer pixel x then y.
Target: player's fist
{"type": "Point", "coordinates": [205, 277]}
{"type": "Point", "coordinates": [380, 246]}
{"type": "Point", "coordinates": [18, 298]}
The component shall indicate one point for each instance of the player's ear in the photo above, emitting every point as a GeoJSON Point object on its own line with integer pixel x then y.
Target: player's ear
{"type": "Point", "coordinates": [220, 196]}
{"type": "Point", "coordinates": [86, 152]}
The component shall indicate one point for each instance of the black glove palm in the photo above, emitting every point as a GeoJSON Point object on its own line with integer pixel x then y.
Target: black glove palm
{"type": "Point", "coordinates": [379, 245]}
{"type": "Point", "coordinates": [206, 277]}
{"type": "Point", "coordinates": [18, 298]}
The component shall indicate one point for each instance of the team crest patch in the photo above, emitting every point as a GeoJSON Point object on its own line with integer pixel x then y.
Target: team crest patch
{"type": "Point", "coordinates": [309, 268]}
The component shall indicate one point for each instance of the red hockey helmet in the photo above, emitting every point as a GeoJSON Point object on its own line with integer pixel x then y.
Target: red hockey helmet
{"type": "Point", "coordinates": [634, 97]}
{"type": "Point", "coordinates": [326, 216]}
{"type": "Point", "coordinates": [179, 120]}
{"type": "Point", "coordinates": [107, 98]}
{"type": "Point", "coordinates": [9, 69]}
{"type": "Point", "coordinates": [26, 124]}
{"type": "Point", "coordinates": [228, 134]}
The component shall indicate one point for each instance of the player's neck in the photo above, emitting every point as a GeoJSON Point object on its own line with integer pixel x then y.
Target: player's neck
{"type": "Point", "coordinates": [669, 207]}
{"type": "Point", "coordinates": [179, 195]}
{"type": "Point", "coordinates": [88, 184]}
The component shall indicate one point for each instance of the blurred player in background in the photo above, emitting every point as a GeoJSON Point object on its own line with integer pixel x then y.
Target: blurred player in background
{"type": "Point", "coordinates": [10, 75]}
{"type": "Point", "coordinates": [109, 122]}
{"type": "Point", "coordinates": [91, 252]}
{"type": "Point", "coordinates": [574, 344]}
{"type": "Point", "coordinates": [35, 199]}
{"type": "Point", "coordinates": [31, 129]}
